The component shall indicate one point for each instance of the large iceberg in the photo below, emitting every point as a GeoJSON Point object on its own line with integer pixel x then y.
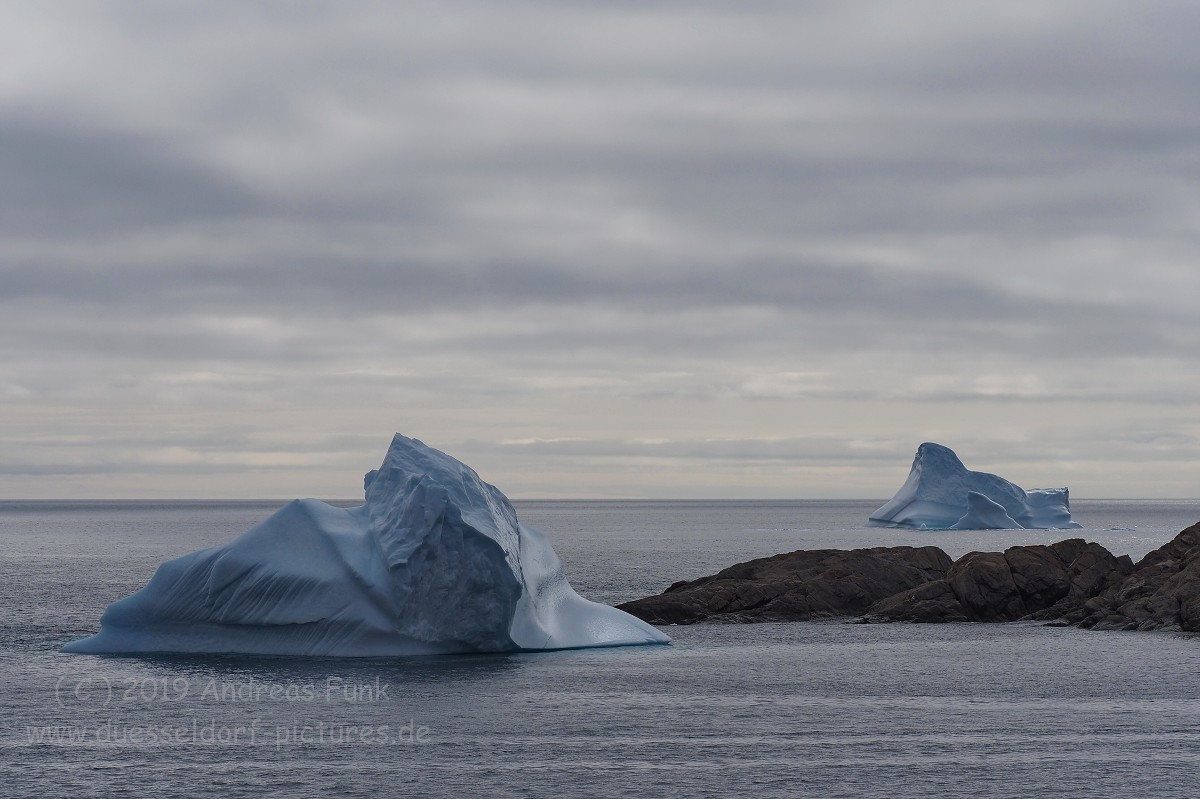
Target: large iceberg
{"type": "Point", "coordinates": [942, 494]}
{"type": "Point", "coordinates": [434, 562]}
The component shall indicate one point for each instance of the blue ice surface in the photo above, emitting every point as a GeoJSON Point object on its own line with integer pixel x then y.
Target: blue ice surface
{"type": "Point", "coordinates": [434, 562]}
{"type": "Point", "coordinates": [943, 494]}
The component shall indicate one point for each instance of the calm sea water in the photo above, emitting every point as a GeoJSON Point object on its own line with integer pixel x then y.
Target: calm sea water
{"type": "Point", "coordinates": [815, 709]}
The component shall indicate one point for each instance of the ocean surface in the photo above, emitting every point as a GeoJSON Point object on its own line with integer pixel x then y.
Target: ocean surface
{"type": "Point", "coordinates": [821, 709]}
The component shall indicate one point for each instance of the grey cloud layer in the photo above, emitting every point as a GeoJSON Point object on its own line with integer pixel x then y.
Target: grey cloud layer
{"type": "Point", "coordinates": [482, 214]}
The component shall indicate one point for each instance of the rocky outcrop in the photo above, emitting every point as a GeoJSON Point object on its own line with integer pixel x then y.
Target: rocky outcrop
{"type": "Point", "coordinates": [1072, 582]}
{"type": "Point", "coordinates": [808, 584]}
{"type": "Point", "coordinates": [1035, 582]}
{"type": "Point", "coordinates": [1161, 592]}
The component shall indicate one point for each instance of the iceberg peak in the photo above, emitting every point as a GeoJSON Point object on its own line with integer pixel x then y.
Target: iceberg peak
{"type": "Point", "coordinates": [943, 494]}
{"type": "Point", "coordinates": [434, 561]}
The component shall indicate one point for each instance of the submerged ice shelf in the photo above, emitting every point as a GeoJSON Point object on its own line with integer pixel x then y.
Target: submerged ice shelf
{"type": "Point", "coordinates": [434, 562]}
{"type": "Point", "coordinates": [942, 494]}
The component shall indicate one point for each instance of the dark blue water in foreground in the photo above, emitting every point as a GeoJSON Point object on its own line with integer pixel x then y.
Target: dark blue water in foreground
{"type": "Point", "coordinates": [814, 709]}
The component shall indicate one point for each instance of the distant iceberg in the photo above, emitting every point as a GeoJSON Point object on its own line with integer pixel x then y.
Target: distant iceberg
{"type": "Point", "coordinates": [434, 562]}
{"type": "Point", "coordinates": [942, 494]}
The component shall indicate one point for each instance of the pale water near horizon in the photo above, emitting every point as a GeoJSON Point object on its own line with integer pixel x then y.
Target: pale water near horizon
{"type": "Point", "coordinates": [815, 709]}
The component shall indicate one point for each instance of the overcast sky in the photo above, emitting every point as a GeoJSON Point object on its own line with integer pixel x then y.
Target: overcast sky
{"type": "Point", "coordinates": [598, 249]}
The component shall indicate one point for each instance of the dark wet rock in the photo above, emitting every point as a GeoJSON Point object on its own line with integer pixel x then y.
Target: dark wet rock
{"type": "Point", "coordinates": [808, 584]}
{"type": "Point", "coordinates": [1071, 582]}
{"type": "Point", "coordinates": [933, 602]}
{"type": "Point", "coordinates": [984, 585]}
{"type": "Point", "coordinates": [1091, 570]}
{"type": "Point", "coordinates": [1025, 582]}
{"type": "Point", "coordinates": [1161, 592]}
